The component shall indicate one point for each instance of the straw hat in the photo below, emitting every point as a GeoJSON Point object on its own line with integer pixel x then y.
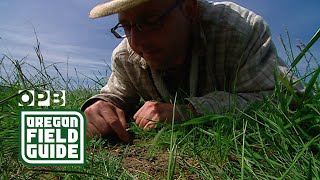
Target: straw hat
{"type": "Point", "coordinates": [113, 6]}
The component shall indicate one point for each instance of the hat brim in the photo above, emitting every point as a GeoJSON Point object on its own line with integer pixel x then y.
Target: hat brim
{"type": "Point", "coordinates": [114, 6]}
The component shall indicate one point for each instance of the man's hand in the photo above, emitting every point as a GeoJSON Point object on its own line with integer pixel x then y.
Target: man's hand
{"type": "Point", "coordinates": [104, 118]}
{"type": "Point", "coordinates": [152, 113]}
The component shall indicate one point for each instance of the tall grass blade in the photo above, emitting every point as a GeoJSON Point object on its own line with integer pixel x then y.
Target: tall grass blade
{"type": "Point", "coordinates": [310, 169]}
{"type": "Point", "coordinates": [287, 85]}
{"type": "Point", "coordinates": [242, 153]}
{"type": "Point", "coordinates": [2, 101]}
{"type": "Point", "coordinates": [316, 109]}
{"type": "Point", "coordinates": [315, 139]}
{"type": "Point", "coordinates": [305, 50]}
{"type": "Point", "coordinates": [173, 146]}
{"type": "Point", "coordinates": [203, 119]}
{"type": "Point", "coordinates": [311, 83]}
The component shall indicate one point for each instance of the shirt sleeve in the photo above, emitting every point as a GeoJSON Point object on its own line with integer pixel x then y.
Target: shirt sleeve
{"type": "Point", "coordinates": [119, 89]}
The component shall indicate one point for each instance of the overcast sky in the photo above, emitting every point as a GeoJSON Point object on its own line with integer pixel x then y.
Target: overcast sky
{"type": "Point", "coordinates": [67, 34]}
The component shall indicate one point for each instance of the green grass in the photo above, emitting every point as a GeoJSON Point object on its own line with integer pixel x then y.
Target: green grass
{"type": "Point", "coordinates": [267, 140]}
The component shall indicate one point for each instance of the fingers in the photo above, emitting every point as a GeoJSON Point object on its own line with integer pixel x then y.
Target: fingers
{"type": "Point", "coordinates": [139, 111]}
{"type": "Point", "coordinates": [152, 113]}
{"type": "Point", "coordinates": [96, 125]}
{"type": "Point", "coordinates": [122, 118]}
{"type": "Point", "coordinates": [103, 119]}
{"type": "Point", "coordinates": [148, 115]}
{"type": "Point", "coordinates": [150, 125]}
{"type": "Point", "coordinates": [91, 130]}
{"type": "Point", "coordinates": [117, 122]}
{"type": "Point", "coordinates": [143, 121]}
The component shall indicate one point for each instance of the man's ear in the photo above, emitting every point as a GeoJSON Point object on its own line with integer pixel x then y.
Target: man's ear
{"type": "Point", "coordinates": [190, 9]}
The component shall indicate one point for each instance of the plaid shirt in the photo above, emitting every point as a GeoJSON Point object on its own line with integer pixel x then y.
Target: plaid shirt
{"type": "Point", "coordinates": [231, 64]}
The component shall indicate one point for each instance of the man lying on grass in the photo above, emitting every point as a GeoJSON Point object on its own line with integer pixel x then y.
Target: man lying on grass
{"type": "Point", "coordinates": [210, 57]}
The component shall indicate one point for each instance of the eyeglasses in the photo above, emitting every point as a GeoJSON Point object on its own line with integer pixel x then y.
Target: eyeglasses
{"type": "Point", "coordinates": [124, 30]}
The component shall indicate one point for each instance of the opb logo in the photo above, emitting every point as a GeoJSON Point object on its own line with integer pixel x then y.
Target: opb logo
{"type": "Point", "coordinates": [42, 98]}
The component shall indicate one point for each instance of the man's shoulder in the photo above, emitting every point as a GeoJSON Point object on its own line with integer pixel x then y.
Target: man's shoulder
{"type": "Point", "coordinates": [230, 14]}
{"type": "Point", "coordinates": [123, 54]}
{"type": "Point", "coordinates": [228, 8]}
{"type": "Point", "coordinates": [122, 50]}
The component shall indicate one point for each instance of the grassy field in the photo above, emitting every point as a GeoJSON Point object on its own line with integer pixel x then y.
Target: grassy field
{"type": "Point", "coordinates": [267, 140]}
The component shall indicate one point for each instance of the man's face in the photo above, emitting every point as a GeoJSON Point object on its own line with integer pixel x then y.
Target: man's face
{"type": "Point", "coordinates": [164, 47]}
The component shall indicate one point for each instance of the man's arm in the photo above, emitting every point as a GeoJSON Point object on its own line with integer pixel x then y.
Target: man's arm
{"type": "Point", "coordinates": [106, 112]}
{"type": "Point", "coordinates": [119, 89]}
